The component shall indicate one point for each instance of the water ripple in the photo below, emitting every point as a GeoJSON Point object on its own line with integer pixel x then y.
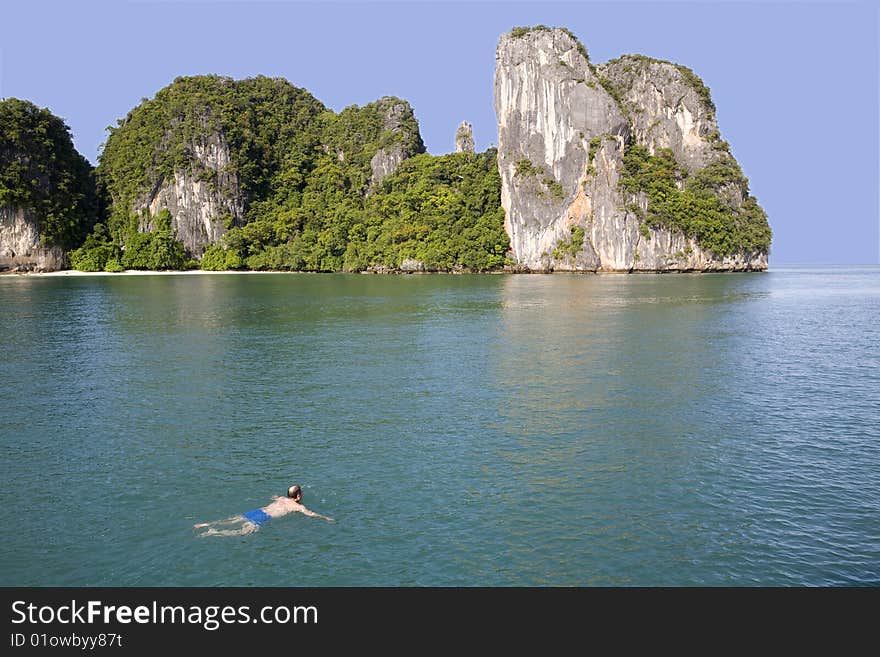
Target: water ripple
{"type": "Point", "coordinates": [503, 430]}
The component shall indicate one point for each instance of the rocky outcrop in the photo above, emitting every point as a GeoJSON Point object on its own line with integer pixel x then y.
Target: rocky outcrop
{"type": "Point", "coordinates": [402, 137]}
{"type": "Point", "coordinates": [669, 108]}
{"type": "Point", "coordinates": [384, 163]}
{"type": "Point", "coordinates": [564, 126]}
{"type": "Point", "coordinates": [217, 153]}
{"type": "Point", "coordinates": [204, 199]}
{"type": "Point", "coordinates": [411, 265]}
{"type": "Point", "coordinates": [49, 200]}
{"type": "Point", "coordinates": [20, 247]}
{"type": "Point", "coordinates": [464, 138]}
{"type": "Point", "coordinates": [549, 105]}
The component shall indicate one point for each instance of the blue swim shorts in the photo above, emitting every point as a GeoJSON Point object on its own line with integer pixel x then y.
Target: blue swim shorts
{"type": "Point", "coordinates": [257, 516]}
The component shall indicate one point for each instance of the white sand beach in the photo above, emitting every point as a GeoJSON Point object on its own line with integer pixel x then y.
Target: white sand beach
{"type": "Point", "coordinates": [138, 272]}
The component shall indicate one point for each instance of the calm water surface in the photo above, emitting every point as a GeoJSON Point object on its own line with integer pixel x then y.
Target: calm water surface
{"type": "Point", "coordinates": [462, 430]}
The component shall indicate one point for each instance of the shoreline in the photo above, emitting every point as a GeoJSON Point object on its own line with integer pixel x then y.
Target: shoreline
{"type": "Point", "coordinates": [75, 273]}
{"type": "Point", "coordinates": [133, 272]}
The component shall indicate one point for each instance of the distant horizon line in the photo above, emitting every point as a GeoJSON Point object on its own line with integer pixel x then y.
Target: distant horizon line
{"type": "Point", "coordinates": [827, 264]}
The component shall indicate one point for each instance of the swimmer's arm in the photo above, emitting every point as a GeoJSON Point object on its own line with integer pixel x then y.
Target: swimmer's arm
{"type": "Point", "coordinates": [312, 514]}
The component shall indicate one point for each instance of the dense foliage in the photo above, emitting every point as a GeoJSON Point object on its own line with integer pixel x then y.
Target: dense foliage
{"type": "Point", "coordinates": [271, 128]}
{"type": "Point", "coordinates": [157, 249]}
{"type": "Point", "coordinates": [98, 253]}
{"type": "Point", "coordinates": [41, 170]}
{"type": "Point", "coordinates": [701, 205]}
{"type": "Point", "coordinates": [443, 211]}
{"type": "Point", "coordinates": [306, 176]}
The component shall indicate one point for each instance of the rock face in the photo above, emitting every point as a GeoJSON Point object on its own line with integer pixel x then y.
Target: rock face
{"type": "Point", "coordinates": [20, 248]}
{"type": "Point", "coordinates": [204, 199]}
{"type": "Point", "coordinates": [561, 142]}
{"type": "Point", "coordinates": [48, 201]}
{"type": "Point", "coordinates": [411, 265]}
{"type": "Point", "coordinates": [398, 119]}
{"type": "Point", "coordinates": [218, 154]}
{"type": "Point", "coordinates": [464, 138]}
{"type": "Point", "coordinates": [675, 110]}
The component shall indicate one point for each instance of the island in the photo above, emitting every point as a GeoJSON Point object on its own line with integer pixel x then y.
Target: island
{"type": "Point", "coordinates": [614, 167]}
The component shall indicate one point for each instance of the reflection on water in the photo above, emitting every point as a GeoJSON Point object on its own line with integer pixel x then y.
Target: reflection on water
{"type": "Point", "coordinates": [463, 430]}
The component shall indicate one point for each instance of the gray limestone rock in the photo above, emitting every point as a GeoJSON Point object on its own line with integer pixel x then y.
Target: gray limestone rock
{"type": "Point", "coordinates": [404, 139]}
{"type": "Point", "coordinates": [204, 200]}
{"type": "Point", "coordinates": [464, 138]}
{"type": "Point", "coordinates": [669, 108]}
{"type": "Point", "coordinates": [551, 103]}
{"type": "Point", "coordinates": [411, 265]}
{"type": "Point", "coordinates": [385, 162]}
{"type": "Point", "coordinates": [20, 247]}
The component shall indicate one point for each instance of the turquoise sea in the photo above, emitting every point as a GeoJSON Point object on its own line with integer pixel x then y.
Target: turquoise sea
{"type": "Point", "coordinates": [463, 430]}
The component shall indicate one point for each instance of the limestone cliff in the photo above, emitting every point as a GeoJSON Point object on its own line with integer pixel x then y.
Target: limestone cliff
{"type": "Point", "coordinates": [205, 148]}
{"type": "Point", "coordinates": [668, 107]}
{"type": "Point", "coordinates": [464, 138]}
{"type": "Point", "coordinates": [20, 246]}
{"type": "Point", "coordinates": [220, 154]}
{"type": "Point", "coordinates": [204, 198]}
{"type": "Point", "coordinates": [401, 140]}
{"type": "Point", "coordinates": [572, 201]}
{"type": "Point", "coordinates": [47, 195]}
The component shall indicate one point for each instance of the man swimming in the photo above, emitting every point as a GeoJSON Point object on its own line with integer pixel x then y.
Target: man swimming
{"type": "Point", "coordinates": [252, 520]}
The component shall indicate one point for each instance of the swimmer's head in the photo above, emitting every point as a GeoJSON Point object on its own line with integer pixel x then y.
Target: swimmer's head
{"type": "Point", "coordinates": [295, 493]}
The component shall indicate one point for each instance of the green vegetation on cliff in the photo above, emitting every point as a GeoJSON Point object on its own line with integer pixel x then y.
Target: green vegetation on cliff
{"type": "Point", "coordinates": [519, 32]}
{"type": "Point", "coordinates": [306, 176]}
{"type": "Point", "coordinates": [632, 62]}
{"type": "Point", "coordinates": [572, 246]}
{"type": "Point", "coordinates": [704, 205]}
{"type": "Point", "coordinates": [443, 211]}
{"type": "Point", "coordinates": [156, 249]}
{"type": "Point", "coordinates": [272, 130]}
{"type": "Point", "coordinates": [41, 170]}
{"type": "Point", "coordinates": [525, 168]}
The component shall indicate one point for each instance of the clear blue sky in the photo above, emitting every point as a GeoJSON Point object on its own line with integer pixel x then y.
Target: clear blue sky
{"type": "Point", "coordinates": [795, 83]}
